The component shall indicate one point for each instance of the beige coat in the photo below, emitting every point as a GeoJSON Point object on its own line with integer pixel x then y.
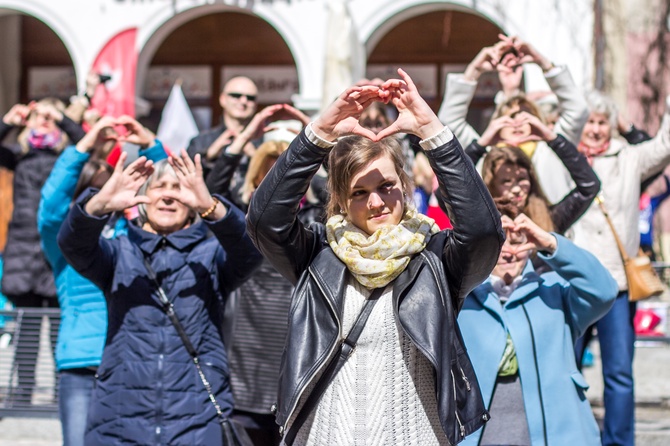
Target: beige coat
{"type": "Point", "coordinates": [552, 174]}
{"type": "Point", "coordinates": [621, 170]}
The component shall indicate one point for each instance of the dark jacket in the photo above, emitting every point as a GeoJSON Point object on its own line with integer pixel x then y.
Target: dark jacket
{"type": "Point", "coordinates": [147, 388]}
{"type": "Point", "coordinates": [427, 295]}
{"type": "Point", "coordinates": [587, 185]}
{"type": "Point", "coordinates": [200, 144]}
{"type": "Point", "coordinates": [25, 267]}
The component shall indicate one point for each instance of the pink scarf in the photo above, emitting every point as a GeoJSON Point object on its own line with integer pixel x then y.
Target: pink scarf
{"type": "Point", "coordinates": [591, 152]}
{"type": "Point", "coordinates": [44, 140]}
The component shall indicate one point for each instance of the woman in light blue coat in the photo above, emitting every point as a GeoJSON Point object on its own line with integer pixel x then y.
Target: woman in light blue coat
{"type": "Point", "coordinates": [520, 326]}
{"type": "Point", "coordinates": [83, 327]}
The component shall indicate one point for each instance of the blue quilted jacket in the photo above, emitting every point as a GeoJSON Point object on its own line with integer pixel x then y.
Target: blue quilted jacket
{"type": "Point", "coordinates": [83, 326]}
{"type": "Point", "coordinates": [147, 388]}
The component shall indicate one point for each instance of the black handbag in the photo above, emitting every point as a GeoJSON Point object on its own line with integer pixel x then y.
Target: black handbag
{"type": "Point", "coordinates": [233, 433]}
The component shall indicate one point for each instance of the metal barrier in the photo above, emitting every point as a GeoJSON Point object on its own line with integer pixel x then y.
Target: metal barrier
{"type": "Point", "coordinates": [28, 382]}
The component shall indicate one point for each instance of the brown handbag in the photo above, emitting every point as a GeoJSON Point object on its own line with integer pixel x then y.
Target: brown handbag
{"type": "Point", "coordinates": [643, 282]}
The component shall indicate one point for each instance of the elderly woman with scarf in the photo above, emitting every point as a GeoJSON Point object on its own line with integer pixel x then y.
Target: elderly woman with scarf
{"type": "Point", "coordinates": [408, 379]}
{"type": "Point", "coordinates": [621, 168]}
{"type": "Point", "coordinates": [27, 279]}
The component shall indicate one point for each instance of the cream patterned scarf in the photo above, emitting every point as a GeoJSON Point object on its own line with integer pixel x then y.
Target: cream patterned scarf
{"type": "Point", "coordinates": [376, 260]}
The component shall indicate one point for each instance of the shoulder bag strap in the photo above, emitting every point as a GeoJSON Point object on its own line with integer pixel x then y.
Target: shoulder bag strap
{"type": "Point", "coordinates": [346, 348]}
{"type": "Point", "coordinates": [168, 308]}
{"type": "Point", "coordinates": [622, 250]}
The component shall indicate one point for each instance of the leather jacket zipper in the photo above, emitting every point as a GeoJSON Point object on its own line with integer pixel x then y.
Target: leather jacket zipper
{"type": "Point", "coordinates": [324, 363]}
{"type": "Point", "coordinates": [458, 419]}
{"type": "Point", "coordinates": [461, 428]}
{"type": "Point", "coordinates": [465, 378]}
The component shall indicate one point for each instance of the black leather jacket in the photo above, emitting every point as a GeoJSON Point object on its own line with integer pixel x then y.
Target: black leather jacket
{"type": "Point", "coordinates": [426, 296]}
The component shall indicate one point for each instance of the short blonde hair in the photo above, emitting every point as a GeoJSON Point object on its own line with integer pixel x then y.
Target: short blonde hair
{"type": "Point", "coordinates": [22, 139]}
{"type": "Point", "coordinates": [517, 104]}
{"type": "Point", "coordinates": [353, 153]}
{"type": "Point", "coordinates": [267, 152]}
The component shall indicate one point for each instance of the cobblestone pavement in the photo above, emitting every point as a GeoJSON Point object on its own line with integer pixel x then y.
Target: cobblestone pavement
{"type": "Point", "coordinates": [652, 374]}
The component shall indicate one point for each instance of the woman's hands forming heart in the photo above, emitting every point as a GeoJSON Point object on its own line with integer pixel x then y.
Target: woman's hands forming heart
{"type": "Point", "coordinates": [341, 118]}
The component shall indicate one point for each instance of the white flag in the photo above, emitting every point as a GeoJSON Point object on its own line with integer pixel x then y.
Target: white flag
{"type": "Point", "coordinates": [177, 125]}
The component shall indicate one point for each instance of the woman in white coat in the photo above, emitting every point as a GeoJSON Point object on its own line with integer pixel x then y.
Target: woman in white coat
{"type": "Point", "coordinates": [621, 168]}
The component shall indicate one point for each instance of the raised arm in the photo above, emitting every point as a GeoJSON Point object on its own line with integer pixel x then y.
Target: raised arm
{"type": "Point", "coordinates": [654, 154]}
{"type": "Point", "coordinates": [71, 128]}
{"type": "Point", "coordinates": [79, 237]}
{"type": "Point", "coordinates": [472, 251]}
{"type": "Point", "coordinates": [56, 198]}
{"type": "Point", "coordinates": [460, 90]}
{"type": "Point", "coordinates": [272, 220]}
{"type": "Point", "coordinates": [219, 179]}
{"type": "Point", "coordinates": [16, 116]}
{"type": "Point", "coordinates": [587, 185]}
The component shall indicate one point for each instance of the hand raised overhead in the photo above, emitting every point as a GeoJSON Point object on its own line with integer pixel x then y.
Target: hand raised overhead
{"type": "Point", "coordinates": [341, 117]}
{"type": "Point", "coordinates": [193, 191]}
{"type": "Point", "coordinates": [101, 131]}
{"type": "Point", "coordinates": [18, 114]}
{"type": "Point", "coordinates": [120, 191]}
{"type": "Point", "coordinates": [136, 133]}
{"type": "Point", "coordinates": [535, 236]}
{"type": "Point", "coordinates": [414, 115]}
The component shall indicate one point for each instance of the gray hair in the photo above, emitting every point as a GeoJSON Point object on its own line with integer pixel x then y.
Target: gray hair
{"type": "Point", "coordinates": [161, 168]}
{"type": "Point", "coordinates": [599, 102]}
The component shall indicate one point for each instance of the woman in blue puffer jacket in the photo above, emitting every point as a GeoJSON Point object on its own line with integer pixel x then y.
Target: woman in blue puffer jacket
{"type": "Point", "coordinates": [83, 326]}
{"type": "Point", "coordinates": [148, 391]}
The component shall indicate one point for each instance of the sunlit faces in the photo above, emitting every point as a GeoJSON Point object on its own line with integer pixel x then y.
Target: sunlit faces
{"type": "Point", "coordinates": [513, 182]}
{"type": "Point", "coordinates": [375, 196]}
{"type": "Point", "coordinates": [597, 130]}
{"type": "Point", "coordinates": [238, 99]}
{"type": "Point", "coordinates": [516, 132]}
{"type": "Point", "coordinates": [165, 215]}
{"type": "Point", "coordinates": [513, 257]}
{"type": "Point", "coordinates": [41, 122]}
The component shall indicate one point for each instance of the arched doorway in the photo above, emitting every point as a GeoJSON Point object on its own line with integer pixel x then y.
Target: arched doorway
{"type": "Point", "coordinates": [432, 44]}
{"type": "Point", "coordinates": [35, 64]}
{"type": "Point", "coordinates": [208, 50]}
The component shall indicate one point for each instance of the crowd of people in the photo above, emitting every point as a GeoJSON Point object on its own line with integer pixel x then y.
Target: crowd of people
{"type": "Point", "coordinates": [384, 274]}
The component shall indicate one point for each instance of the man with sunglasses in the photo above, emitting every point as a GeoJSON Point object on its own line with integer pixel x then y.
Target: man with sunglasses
{"type": "Point", "coordinates": [238, 102]}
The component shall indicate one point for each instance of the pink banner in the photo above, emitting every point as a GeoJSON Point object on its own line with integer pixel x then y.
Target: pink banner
{"type": "Point", "coordinates": [118, 60]}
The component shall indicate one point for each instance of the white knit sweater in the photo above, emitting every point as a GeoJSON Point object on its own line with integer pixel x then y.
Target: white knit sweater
{"type": "Point", "coordinates": [384, 394]}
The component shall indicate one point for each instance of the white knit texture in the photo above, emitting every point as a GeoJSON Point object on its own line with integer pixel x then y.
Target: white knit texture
{"type": "Point", "coordinates": [384, 394]}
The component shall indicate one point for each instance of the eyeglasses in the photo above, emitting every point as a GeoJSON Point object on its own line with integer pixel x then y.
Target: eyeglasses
{"type": "Point", "coordinates": [250, 97]}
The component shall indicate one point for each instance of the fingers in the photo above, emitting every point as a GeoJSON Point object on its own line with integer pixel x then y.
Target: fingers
{"type": "Point", "coordinates": [506, 222]}
{"type": "Point", "coordinates": [139, 199]}
{"type": "Point", "coordinates": [118, 167]}
{"type": "Point", "coordinates": [366, 133]}
{"type": "Point", "coordinates": [528, 246]}
{"type": "Point", "coordinates": [297, 114]}
{"type": "Point", "coordinates": [183, 165]}
{"type": "Point", "coordinates": [139, 168]}
{"type": "Point", "coordinates": [408, 80]}
{"type": "Point", "coordinates": [198, 164]}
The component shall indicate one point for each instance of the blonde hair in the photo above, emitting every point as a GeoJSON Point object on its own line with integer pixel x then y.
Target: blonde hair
{"type": "Point", "coordinates": [537, 205]}
{"type": "Point", "coordinates": [269, 151]}
{"type": "Point", "coordinates": [516, 104]}
{"type": "Point", "coordinates": [353, 153]}
{"type": "Point", "coordinates": [22, 139]}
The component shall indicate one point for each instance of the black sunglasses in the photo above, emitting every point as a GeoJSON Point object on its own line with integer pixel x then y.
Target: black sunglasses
{"type": "Point", "coordinates": [250, 97]}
